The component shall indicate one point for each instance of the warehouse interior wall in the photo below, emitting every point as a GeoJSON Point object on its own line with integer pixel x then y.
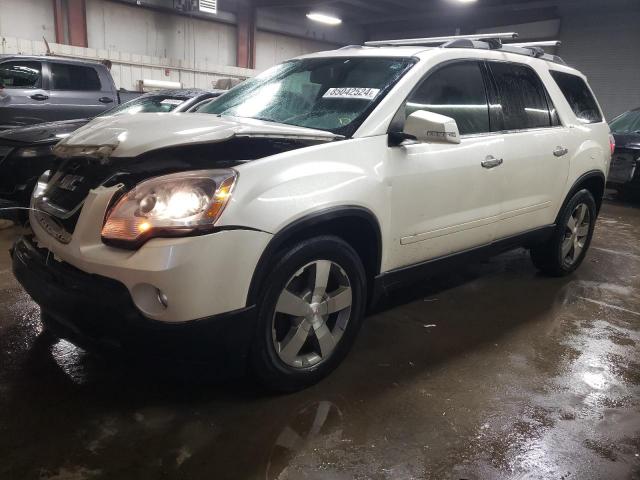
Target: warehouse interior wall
{"type": "Point", "coordinates": [114, 26]}
{"type": "Point", "coordinates": [28, 19]}
{"type": "Point", "coordinates": [612, 66]}
{"type": "Point", "coordinates": [273, 48]}
{"type": "Point", "coordinates": [189, 42]}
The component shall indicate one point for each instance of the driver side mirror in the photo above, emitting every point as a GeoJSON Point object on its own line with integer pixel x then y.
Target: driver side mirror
{"type": "Point", "coordinates": [430, 127]}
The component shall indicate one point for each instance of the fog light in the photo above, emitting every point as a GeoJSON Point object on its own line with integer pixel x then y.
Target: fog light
{"type": "Point", "coordinates": [162, 298]}
{"type": "Point", "coordinates": [149, 299]}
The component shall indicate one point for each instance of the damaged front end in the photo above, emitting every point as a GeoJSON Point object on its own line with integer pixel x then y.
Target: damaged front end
{"type": "Point", "coordinates": [60, 194]}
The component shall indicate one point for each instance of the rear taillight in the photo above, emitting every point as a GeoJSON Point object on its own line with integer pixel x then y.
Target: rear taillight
{"type": "Point", "coordinates": [612, 143]}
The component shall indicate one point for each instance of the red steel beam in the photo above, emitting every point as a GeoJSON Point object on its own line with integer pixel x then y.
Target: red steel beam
{"type": "Point", "coordinates": [246, 36]}
{"type": "Point", "coordinates": [77, 21]}
{"type": "Point", "coordinates": [58, 17]}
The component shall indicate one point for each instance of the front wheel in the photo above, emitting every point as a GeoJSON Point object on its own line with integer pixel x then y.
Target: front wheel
{"type": "Point", "coordinates": [566, 249]}
{"type": "Point", "coordinates": [311, 307]}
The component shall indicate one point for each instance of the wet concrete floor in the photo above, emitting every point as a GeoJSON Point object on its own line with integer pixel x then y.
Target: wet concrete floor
{"type": "Point", "coordinates": [491, 372]}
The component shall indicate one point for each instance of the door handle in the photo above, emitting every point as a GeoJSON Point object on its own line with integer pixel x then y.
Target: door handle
{"type": "Point", "coordinates": [39, 96]}
{"type": "Point", "coordinates": [560, 151]}
{"type": "Point", "coordinates": [491, 162]}
{"type": "Point", "coordinates": [105, 99]}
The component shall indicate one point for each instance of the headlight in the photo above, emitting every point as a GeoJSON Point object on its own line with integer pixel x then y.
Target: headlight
{"type": "Point", "coordinates": [31, 152]}
{"type": "Point", "coordinates": [171, 205]}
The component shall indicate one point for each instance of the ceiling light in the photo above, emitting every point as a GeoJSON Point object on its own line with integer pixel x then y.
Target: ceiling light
{"type": "Point", "coordinates": [466, 1]}
{"type": "Point", "coordinates": [323, 18]}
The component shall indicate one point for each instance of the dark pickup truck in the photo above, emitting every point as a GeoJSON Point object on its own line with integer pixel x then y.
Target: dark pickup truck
{"type": "Point", "coordinates": [36, 89]}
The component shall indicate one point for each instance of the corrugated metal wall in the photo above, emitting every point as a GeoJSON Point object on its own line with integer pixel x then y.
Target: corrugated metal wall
{"type": "Point", "coordinates": [605, 45]}
{"type": "Point", "coordinates": [128, 68]}
{"type": "Point", "coordinates": [273, 48]}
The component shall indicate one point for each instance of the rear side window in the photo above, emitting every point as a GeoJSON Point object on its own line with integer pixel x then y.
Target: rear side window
{"type": "Point", "coordinates": [457, 91]}
{"type": "Point", "coordinates": [21, 74]}
{"type": "Point", "coordinates": [580, 98]}
{"type": "Point", "coordinates": [522, 98]}
{"type": "Point", "coordinates": [74, 77]}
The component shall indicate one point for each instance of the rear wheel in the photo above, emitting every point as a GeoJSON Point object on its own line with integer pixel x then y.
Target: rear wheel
{"type": "Point", "coordinates": [311, 308]}
{"type": "Point", "coordinates": [566, 249]}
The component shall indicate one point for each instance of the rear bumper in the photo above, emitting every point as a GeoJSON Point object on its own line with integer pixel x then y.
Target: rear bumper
{"type": "Point", "coordinates": [98, 312]}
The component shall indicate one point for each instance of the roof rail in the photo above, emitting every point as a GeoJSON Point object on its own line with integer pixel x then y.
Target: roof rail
{"type": "Point", "coordinates": [437, 40]}
{"type": "Point", "coordinates": [550, 43]}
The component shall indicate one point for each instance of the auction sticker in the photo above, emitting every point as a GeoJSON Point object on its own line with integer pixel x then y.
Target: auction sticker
{"type": "Point", "coordinates": [172, 101]}
{"type": "Point", "coordinates": [352, 92]}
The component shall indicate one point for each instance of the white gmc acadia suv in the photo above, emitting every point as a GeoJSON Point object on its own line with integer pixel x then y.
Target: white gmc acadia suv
{"type": "Point", "coordinates": [255, 233]}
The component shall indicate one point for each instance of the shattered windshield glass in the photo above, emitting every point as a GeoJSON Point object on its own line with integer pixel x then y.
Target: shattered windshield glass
{"type": "Point", "coordinates": [332, 94]}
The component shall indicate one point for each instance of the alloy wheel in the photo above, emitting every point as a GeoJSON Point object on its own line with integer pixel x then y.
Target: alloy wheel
{"type": "Point", "coordinates": [576, 233]}
{"type": "Point", "coordinates": [311, 314]}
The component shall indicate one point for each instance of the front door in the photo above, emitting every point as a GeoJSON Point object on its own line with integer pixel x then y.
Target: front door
{"type": "Point", "coordinates": [446, 197]}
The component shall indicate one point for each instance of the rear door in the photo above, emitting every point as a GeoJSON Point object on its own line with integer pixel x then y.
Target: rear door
{"type": "Point", "coordinates": [77, 91]}
{"type": "Point", "coordinates": [22, 93]}
{"type": "Point", "coordinates": [536, 148]}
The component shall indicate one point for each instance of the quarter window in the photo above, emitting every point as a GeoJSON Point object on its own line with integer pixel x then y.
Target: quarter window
{"type": "Point", "coordinates": [521, 97]}
{"type": "Point", "coordinates": [580, 98]}
{"type": "Point", "coordinates": [20, 75]}
{"type": "Point", "coordinates": [456, 91]}
{"type": "Point", "coordinates": [74, 77]}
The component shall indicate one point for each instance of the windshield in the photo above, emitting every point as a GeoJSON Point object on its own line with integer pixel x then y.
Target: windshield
{"type": "Point", "coordinates": [147, 104]}
{"type": "Point", "coordinates": [332, 94]}
{"type": "Point", "coordinates": [628, 122]}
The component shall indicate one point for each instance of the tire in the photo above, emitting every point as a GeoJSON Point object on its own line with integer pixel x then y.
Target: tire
{"type": "Point", "coordinates": [300, 340]}
{"type": "Point", "coordinates": [567, 247]}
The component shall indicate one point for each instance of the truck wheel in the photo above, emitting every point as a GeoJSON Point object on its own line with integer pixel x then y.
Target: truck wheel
{"type": "Point", "coordinates": [566, 249]}
{"type": "Point", "coordinates": [310, 309]}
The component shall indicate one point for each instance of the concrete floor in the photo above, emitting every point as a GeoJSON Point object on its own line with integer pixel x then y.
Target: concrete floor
{"type": "Point", "coordinates": [488, 373]}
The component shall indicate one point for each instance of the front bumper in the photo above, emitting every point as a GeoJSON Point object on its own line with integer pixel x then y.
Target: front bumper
{"type": "Point", "coordinates": [200, 276]}
{"type": "Point", "coordinates": [95, 311]}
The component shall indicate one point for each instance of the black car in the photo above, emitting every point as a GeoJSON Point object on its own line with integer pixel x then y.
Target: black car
{"type": "Point", "coordinates": [624, 174]}
{"type": "Point", "coordinates": [26, 152]}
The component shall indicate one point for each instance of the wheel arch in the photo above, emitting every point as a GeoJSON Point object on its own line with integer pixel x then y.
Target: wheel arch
{"type": "Point", "coordinates": [356, 225]}
{"type": "Point", "coordinates": [594, 181]}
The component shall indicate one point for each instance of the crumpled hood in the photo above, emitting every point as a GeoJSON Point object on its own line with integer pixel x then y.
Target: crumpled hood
{"type": "Point", "coordinates": [48, 132]}
{"type": "Point", "coordinates": [132, 135]}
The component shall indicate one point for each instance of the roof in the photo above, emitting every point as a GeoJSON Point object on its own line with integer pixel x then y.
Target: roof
{"type": "Point", "coordinates": [423, 52]}
{"type": "Point", "coordinates": [363, 51]}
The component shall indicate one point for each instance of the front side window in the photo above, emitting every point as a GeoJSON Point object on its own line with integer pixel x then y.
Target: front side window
{"type": "Point", "coordinates": [456, 91]}
{"type": "Point", "coordinates": [521, 97]}
{"type": "Point", "coordinates": [21, 74]}
{"type": "Point", "coordinates": [148, 104]}
{"type": "Point", "coordinates": [628, 122]}
{"type": "Point", "coordinates": [332, 94]}
{"type": "Point", "coordinates": [74, 77]}
{"type": "Point", "coordinates": [579, 96]}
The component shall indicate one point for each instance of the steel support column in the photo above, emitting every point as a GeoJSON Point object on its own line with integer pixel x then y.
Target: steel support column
{"type": "Point", "coordinates": [246, 36]}
{"type": "Point", "coordinates": [70, 20]}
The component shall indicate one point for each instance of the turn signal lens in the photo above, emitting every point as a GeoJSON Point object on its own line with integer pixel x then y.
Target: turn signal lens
{"type": "Point", "coordinates": [171, 205]}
